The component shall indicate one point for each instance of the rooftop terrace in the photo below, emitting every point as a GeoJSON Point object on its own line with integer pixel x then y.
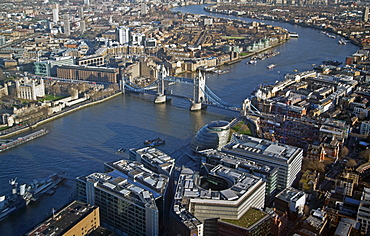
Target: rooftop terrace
{"type": "Point", "coordinates": [251, 217]}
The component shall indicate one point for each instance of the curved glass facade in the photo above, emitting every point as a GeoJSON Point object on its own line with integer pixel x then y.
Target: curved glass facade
{"type": "Point", "coordinates": [213, 135]}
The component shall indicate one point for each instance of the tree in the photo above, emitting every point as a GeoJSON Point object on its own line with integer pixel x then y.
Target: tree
{"type": "Point", "coordinates": [314, 165]}
{"type": "Point", "coordinates": [365, 154]}
{"type": "Point", "coordinates": [343, 152]}
{"type": "Point", "coordinates": [231, 31]}
{"type": "Point", "coordinates": [351, 163]}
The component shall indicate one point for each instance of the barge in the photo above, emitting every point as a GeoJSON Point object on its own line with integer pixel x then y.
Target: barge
{"type": "Point", "coordinates": [21, 140]}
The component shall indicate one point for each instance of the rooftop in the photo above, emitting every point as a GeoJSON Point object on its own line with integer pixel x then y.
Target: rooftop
{"type": "Point", "coordinates": [62, 221]}
{"type": "Point", "coordinates": [237, 161]}
{"type": "Point", "coordinates": [240, 183]}
{"type": "Point", "coordinates": [290, 195]}
{"type": "Point", "coordinates": [155, 157]}
{"type": "Point", "coordinates": [250, 217]}
{"type": "Point", "coordinates": [135, 173]}
{"type": "Point", "coordinates": [263, 147]}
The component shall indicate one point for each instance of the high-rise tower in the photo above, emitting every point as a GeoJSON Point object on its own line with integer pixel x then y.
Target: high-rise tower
{"type": "Point", "coordinates": [123, 35]}
{"type": "Point", "coordinates": [55, 12]}
{"type": "Point", "coordinates": [67, 25]}
{"type": "Point", "coordinates": [365, 16]}
{"type": "Point", "coordinates": [81, 12]}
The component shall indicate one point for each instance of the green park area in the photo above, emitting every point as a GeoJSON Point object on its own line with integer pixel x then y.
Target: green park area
{"type": "Point", "coordinates": [241, 128]}
{"type": "Point", "coordinates": [52, 98]}
{"type": "Point", "coordinates": [248, 219]}
{"type": "Point", "coordinates": [232, 37]}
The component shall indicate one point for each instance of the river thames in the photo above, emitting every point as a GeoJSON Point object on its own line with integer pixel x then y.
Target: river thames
{"type": "Point", "coordinates": [81, 142]}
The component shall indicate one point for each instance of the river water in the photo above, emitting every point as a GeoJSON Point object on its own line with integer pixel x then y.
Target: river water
{"type": "Point", "coordinates": [81, 142]}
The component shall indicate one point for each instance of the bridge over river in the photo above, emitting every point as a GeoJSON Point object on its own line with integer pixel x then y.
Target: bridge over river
{"type": "Point", "coordinates": [202, 95]}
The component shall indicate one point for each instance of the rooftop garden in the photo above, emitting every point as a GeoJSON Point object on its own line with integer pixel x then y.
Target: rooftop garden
{"type": "Point", "coordinates": [248, 219]}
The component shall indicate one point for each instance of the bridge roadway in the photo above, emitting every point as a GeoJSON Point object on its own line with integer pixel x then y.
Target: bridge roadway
{"type": "Point", "coordinates": [211, 99]}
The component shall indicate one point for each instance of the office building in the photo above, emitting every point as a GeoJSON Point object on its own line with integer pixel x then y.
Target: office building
{"type": "Point", "coordinates": [137, 39]}
{"type": "Point", "coordinates": [81, 13]}
{"type": "Point", "coordinates": [67, 25]}
{"type": "Point", "coordinates": [82, 26]}
{"type": "Point", "coordinates": [365, 128]}
{"type": "Point", "coordinates": [55, 8]}
{"type": "Point", "coordinates": [150, 43]}
{"type": "Point", "coordinates": [345, 227]}
{"type": "Point", "coordinates": [291, 200]}
{"type": "Point", "coordinates": [346, 182]}
{"type": "Point", "coordinates": [77, 218]}
{"type": "Point", "coordinates": [286, 158]}
{"type": "Point", "coordinates": [55, 15]}
{"type": "Point", "coordinates": [213, 135]}
{"type": "Point", "coordinates": [143, 9]}
{"type": "Point", "coordinates": [260, 225]}
{"type": "Point", "coordinates": [365, 16]}
{"type": "Point", "coordinates": [129, 191]}
{"type": "Point", "coordinates": [218, 193]}
{"type": "Point", "coordinates": [2, 40]}
{"type": "Point", "coordinates": [153, 159]}
{"type": "Point", "coordinates": [267, 173]}
{"type": "Point", "coordinates": [315, 224]}
{"type": "Point", "coordinates": [363, 213]}
{"type": "Point", "coordinates": [123, 35]}
{"type": "Point", "coordinates": [49, 67]}
{"type": "Point", "coordinates": [88, 73]}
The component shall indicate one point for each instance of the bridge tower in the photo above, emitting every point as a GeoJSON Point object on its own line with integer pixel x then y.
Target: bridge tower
{"type": "Point", "coordinates": [248, 107]}
{"type": "Point", "coordinates": [122, 84]}
{"type": "Point", "coordinates": [161, 97]}
{"type": "Point", "coordinates": [199, 95]}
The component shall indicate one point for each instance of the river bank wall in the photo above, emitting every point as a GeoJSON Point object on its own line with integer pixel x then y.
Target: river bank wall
{"type": "Point", "coordinates": [352, 40]}
{"type": "Point", "coordinates": [56, 116]}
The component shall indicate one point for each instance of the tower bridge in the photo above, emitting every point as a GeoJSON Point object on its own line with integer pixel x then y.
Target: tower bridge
{"type": "Point", "coordinates": [202, 95]}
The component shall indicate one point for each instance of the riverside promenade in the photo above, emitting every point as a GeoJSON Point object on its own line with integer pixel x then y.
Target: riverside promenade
{"type": "Point", "coordinates": [30, 126]}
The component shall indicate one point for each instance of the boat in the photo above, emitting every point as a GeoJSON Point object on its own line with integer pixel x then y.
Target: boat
{"type": "Point", "coordinates": [332, 62]}
{"type": "Point", "coordinates": [41, 186]}
{"type": "Point", "coordinates": [16, 201]}
{"type": "Point", "coordinates": [252, 62]}
{"type": "Point", "coordinates": [121, 150]}
{"type": "Point", "coordinates": [10, 205]}
{"type": "Point", "coordinates": [220, 72]}
{"type": "Point", "coordinates": [271, 66]}
{"type": "Point", "coordinates": [207, 69]}
{"type": "Point", "coordinates": [27, 193]}
{"type": "Point", "coordinates": [293, 35]}
{"type": "Point", "coordinates": [21, 140]}
{"type": "Point", "coordinates": [154, 142]}
{"type": "Point", "coordinates": [271, 54]}
{"type": "Point", "coordinates": [342, 41]}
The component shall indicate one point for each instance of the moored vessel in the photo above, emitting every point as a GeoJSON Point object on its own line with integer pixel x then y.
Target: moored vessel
{"type": "Point", "coordinates": [21, 140]}
{"type": "Point", "coordinates": [271, 66]}
{"type": "Point", "coordinates": [14, 202]}
{"type": "Point", "coordinates": [293, 35]}
{"type": "Point", "coordinates": [154, 142]}
{"type": "Point", "coordinates": [41, 186]}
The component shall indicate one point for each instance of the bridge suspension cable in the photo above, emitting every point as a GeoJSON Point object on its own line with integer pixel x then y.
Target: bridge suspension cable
{"type": "Point", "coordinates": [218, 101]}
{"type": "Point", "coordinates": [148, 89]}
